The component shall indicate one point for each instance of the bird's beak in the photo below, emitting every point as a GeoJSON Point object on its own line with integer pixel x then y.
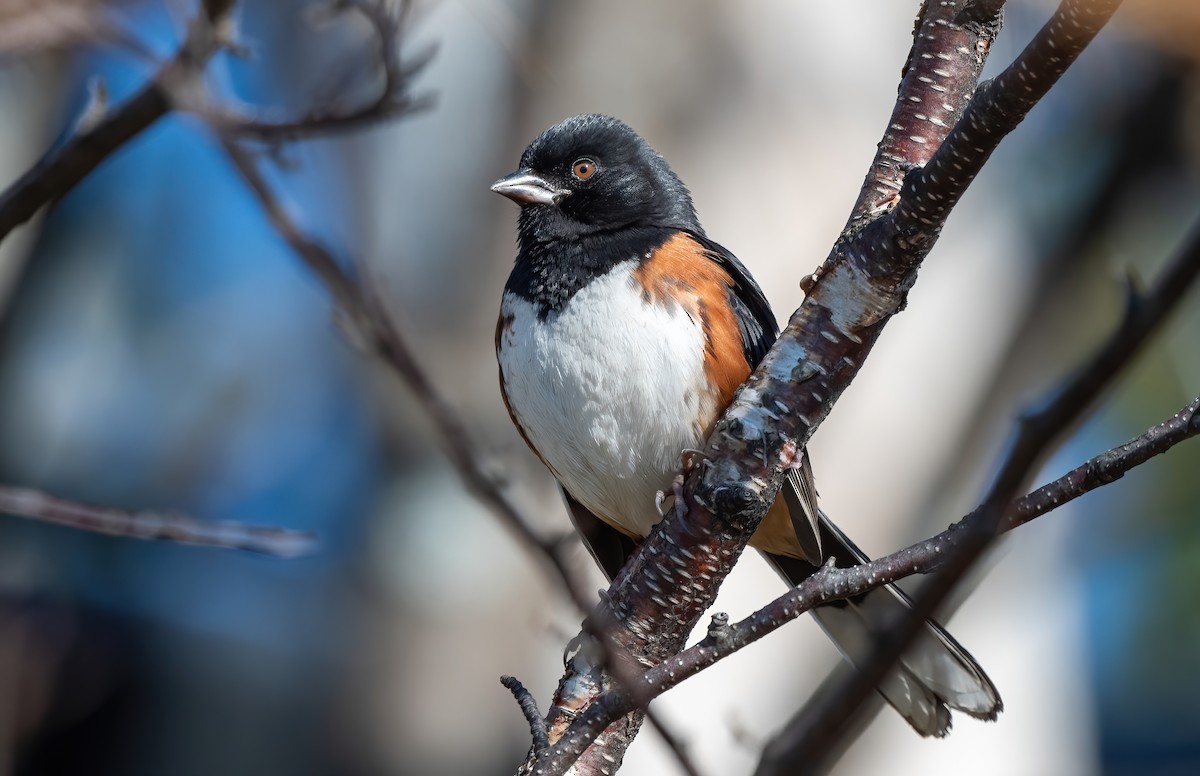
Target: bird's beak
{"type": "Point", "coordinates": [525, 188]}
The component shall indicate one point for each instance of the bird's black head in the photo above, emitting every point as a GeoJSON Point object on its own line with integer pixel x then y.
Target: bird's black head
{"type": "Point", "coordinates": [593, 174]}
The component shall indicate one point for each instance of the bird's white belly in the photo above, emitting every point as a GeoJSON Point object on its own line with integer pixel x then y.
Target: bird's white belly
{"type": "Point", "coordinates": [610, 391]}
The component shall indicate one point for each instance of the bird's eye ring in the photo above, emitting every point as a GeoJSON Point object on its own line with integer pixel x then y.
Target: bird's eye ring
{"type": "Point", "coordinates": [583, 168]}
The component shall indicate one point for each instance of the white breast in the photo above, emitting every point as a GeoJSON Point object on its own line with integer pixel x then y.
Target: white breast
{"type": "Point", "coordinates": [610, 391]}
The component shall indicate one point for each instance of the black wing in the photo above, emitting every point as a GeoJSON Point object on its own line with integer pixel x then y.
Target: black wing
{"type": "Point", "coordinates": [608, 546]}
{"type": "Point", "coordinates": [756, 320]}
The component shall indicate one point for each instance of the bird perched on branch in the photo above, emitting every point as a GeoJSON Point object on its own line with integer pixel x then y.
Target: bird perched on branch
{"type": "Point", "coordinates": [624, 333]}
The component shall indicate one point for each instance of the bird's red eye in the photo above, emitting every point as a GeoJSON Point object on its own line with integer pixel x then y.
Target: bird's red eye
{"type": "Point", "coordinates": [583, 168]}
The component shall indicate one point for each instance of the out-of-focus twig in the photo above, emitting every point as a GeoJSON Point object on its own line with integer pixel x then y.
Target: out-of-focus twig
{"type": "Point", "coordinates": [178, 84]}
{"type": "Point", "coordinates": [395, 97]}
{"type": "Point", "coordinates": [34, 26]}
{"type": "Point", "coordinates": [371, 326]}
{"type": "Point", "coordinates": [66, 165]}
{"type": "Point", "coordinates": [164, 526]}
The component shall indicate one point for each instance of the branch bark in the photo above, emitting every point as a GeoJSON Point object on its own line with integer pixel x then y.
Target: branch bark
{"type": "Point", "coordinates": [813, 733]}
{"type": "Point", "coordinates": [145, 524]}
{"type": "Point", "coordinates": [832, 584]}
{"type": "Point", "coordinates": [803, 744]}
{"type": "Point", "coordinates": [859, 287]}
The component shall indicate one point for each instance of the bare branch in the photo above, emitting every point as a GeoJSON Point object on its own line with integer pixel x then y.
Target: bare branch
{"type": "Point", "coordinates": [859, 288]}
{"type": "Point", "coordinates": [395, 97]}
{"type": "Point", "coordinates": [996, 109]}
{"type": "Point", "coordinates": [161, 526]}
{"type": "Point", "coordinates": [1103, 469]}
{"type": "Point", "coordinates": [176, 86]}
{"type": "Point", "coordinates": [372, 326]}
{"type": "Point", "coordinates": [65, 166]}
{"type": "Point", "coordinates": [817, 728]}
{"type": "Point", "coordinates": [831, 583]}
{"type": "Point", "coordinates": [796, 385]}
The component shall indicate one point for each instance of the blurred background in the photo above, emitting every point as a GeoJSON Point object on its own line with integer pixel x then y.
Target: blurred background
{"type": "Point", "coordinates": [160, 347]}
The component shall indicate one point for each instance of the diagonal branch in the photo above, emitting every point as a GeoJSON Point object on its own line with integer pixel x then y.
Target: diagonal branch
{"type": "Point", "coordinates": [144, 524]}
{"type": "Point", "coordinates": [371, 325]}
{"type": "Point", "coordinates": [862, 284]}
{"type": "Point", "coordinates": [996, 109]}
{"type": "Point", "coordinates": [1143, 315]}
{"type": "Point", "coordinates": [832, 584]}
{"type": "Point", "coordinates": [817, 728]}
{"type": "Point", "coordinates": [65, 166]}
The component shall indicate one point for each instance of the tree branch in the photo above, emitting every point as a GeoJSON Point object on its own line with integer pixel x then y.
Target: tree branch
{"type": "Point", "coordinates": [996, 109]}
{"type": "Point", "coordinates": [946, 552]}
{"type": "Point", "coordinates": [63, 167]}
{"type": "Point", "coordinates": [165, 526]}
{"type": "Point", "coordinates": [862, 284]}
{"type": "Point", "coordinates": [395, 97]}
{"type": "Point", "coordinates": [832, 584]}
{"type": "Point", "coordinates": [371, 326]}
{"type": "Point", "coordinates": [176, 86]}
{"type": "Point", "coordinates": [810, 735]}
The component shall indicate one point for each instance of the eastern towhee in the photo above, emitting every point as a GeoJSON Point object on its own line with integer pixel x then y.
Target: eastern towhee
{"type": "Point", "coordinates": [624, 333]}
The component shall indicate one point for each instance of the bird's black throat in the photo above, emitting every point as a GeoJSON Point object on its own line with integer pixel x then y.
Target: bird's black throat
{"type": "Point", "coordinates": [548, 274]}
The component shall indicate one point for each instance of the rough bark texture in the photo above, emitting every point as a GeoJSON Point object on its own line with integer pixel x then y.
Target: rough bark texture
{"type": "Point", "coordinates": [667, 586]}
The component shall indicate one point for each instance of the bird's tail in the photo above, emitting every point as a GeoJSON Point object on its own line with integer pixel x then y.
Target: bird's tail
{"type": "Point", "coordinates": [935, 675]}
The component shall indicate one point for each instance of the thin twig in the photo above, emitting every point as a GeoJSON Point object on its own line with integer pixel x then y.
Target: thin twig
{"type": "Point", "coordinates": [678, 748]}
{"type": "Point", "coordinates": [928, 555]}
{"type": "Point", "coordinates": [370, 323]}
{"type": "Point", "coordinates": [394, 99]}
{"type": "Point", "coordinates": [537, 725]}
{"type": "Point", "coordinates": [164, 526]}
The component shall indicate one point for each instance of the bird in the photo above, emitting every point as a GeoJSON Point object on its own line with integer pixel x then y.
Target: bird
{"type": "Point", "coordinates": [624, 333]}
